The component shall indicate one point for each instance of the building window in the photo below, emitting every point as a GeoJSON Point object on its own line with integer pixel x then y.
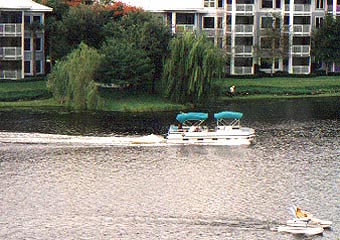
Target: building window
{"type": "Point", "coordinates": [243, 2]}
{"type": "Point", "coordinates": [185, 18]}
{"type": "Point", "coordinates": [318, 22]}
{"type": "Point", "coordinates": [209, 22]}
{"type": "Point", "coordinates": [219, 23]}
{"type": "Point", "coordinates": [278, 3]}
{"type": "Point", "coordinates": [27, 44]}
{"type": "Point", "coordinates": [305, 2]}
{"type": "Point", "coordinates": [209, 3]}
{"type": "Point", "coordinates": [220, 42]}
{"type": "Point", "coordinates": [267, 3]}
{"type": "Point", "coordinates": [269, 43]}
{"type": "Point", "coordinates": [267, 63]}
{"type": "Point", "coordinates": [38, 44]}
{"type": "Point", "coordinates": [38, 66]}
{"type": "Point", "coordinates": [220, 3]}
{"type": "Point", "coordinates": [37, 19]}
{"type": "Point", "coordinates": [245, 20]}
{"type": "Point", "coordinates": [27, 19]}
{"type": "Point", "coordinates": [243, 62]}
{"type": "Point", "coordinates": [301, 40]}
{"type": "Point", "coordinates": [301, 61]}
{"type": "Point", "coordinates": [266, 22]}
{"type": "Point", "coordinates": [27, 22]}
{"type": "Point", "coordinates": [319, 4]}
{"type": "Point", "coordinates": [27, 66]}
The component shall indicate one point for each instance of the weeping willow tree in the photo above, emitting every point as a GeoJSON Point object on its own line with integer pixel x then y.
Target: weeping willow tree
{"type": "Point", "coordinates": [71, 81]}
{"type": "Point", "coordinates": [188, 72]}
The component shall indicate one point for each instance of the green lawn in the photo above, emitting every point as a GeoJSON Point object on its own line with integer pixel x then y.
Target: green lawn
{"type": "Point", "coordinates": [23, 90]}
{"type": "Point", "coordinates": [288, 86]}
{"type": "Point", "coordinates": [132, 102]}
{"type": "Point", "coordinates": [34, 94]}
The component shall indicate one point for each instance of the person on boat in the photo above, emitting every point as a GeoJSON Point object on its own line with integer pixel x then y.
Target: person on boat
{"type": "Point", "coordinates": [304, 214]}
{"type": "Point", "coordinates": [192, 129]}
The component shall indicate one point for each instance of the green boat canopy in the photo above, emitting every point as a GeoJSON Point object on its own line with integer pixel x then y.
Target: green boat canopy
{"type": "Point", "coordinates": [191, 116]}
{"type": "Point", "coordinates": [228, 114]}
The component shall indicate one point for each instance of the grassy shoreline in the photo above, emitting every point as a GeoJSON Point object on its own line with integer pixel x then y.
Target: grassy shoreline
{"type": "Point", "coordinates": [34, 94]}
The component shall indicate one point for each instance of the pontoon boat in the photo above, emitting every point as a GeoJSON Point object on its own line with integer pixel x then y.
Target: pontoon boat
{"type": "Point", "coordinates": [228, 131]}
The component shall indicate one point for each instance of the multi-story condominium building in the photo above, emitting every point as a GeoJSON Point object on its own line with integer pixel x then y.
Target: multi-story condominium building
{"type": "Point", "coordinates": [22, 38]}
{"type": "Point", "coordinates": [257, 35]}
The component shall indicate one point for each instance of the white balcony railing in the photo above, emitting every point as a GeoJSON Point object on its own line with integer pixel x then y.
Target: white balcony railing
{"type": "Point", "coordinates": [299, 7]}
{"type": "Point", "coordinates": [243, 50]}
{"type": "Point", "coordinates": [180, 28]}
{"type": "Point", "coordinates": [302, 29]}
{"type": "Point", "coordinates": [245, 8]}
{"type": "Point", "coordinates": [10, 74]}
{"type": "Point", "coordinates": [243, 70]}
{"type": "Point", "coordinates": [10, 53]}
{"type": "Point", "coordinates": [301, 69]}
{"type": "Point", "coordinates": [10, 29]}
{"type": "Point", "coordinates": [244, 29]}
{"type": "Point", "coordinates": [301, 49]}
{"type": "Point", "coordinates": [210, 32]}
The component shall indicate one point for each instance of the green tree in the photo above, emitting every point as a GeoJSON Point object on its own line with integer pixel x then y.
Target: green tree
{"type": "Point", "coordinates": [188, 72]}
{"type": "Point", "coordinates": [146, 32]}
{"type": "Point", "coordinates": [56, 45]}
{"type": "Point", "coordinates": [71, 81]}
{"type": "Point", "coordinates": [124, 65]}
{"type": "Point", "coordinates": [324, 42]}
{"type": "Point", "coordinates": [83, 24]}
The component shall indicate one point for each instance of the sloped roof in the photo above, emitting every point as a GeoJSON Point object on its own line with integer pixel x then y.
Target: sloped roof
{"type": "Point", "coordinates": [28, 5]}
{"type": "Point", "coordinates": [159, 5]}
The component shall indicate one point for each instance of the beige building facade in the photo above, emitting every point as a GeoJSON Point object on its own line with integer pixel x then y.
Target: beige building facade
{"type": "Point", "coordinates": [22, 39]}
{"type": "Point", "coordinates": [241, 28]}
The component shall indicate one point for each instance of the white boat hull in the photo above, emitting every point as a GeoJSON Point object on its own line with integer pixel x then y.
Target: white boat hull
{"type": "Point", "coordinates": [308, 231]}
{"type": "Point", "coordinates": [227, 136]}
{"type": "Point", "coordinates": [303, 223]}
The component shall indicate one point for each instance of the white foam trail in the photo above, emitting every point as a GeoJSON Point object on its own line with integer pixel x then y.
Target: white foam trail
{"type": "Point", "coordinates": [36, 138]}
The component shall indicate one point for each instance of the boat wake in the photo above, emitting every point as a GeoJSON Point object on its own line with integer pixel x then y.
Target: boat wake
{"type": "Point", "coordinates": [41, 138]}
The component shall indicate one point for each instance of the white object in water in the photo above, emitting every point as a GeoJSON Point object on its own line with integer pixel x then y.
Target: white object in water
{"type": "Point", "coordinates": [308, 231]}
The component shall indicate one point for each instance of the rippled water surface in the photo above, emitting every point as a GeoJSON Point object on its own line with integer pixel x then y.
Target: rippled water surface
{"type": "Point", "coordinates": [57, 189]}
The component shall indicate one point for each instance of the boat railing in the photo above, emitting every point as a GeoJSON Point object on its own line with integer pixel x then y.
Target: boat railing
{"type": "Point", "coordinates": [190, 123]}
{"type": "Point", "coordinates": [225, 122]}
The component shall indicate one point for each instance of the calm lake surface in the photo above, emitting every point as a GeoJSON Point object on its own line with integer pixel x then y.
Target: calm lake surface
{"type": "Point", "coordinates": [61, 178]}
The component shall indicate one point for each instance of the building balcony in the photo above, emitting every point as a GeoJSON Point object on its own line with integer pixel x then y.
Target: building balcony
{"type": "Point", "coordinates": [10, 74]}
{"type": "Point", "coordinates": [10, 53]}
{"type": "Point", "coordinates": [242, 8]}
{"type": "Point", "coordinates": [210, 32]}
{"type": "Point", "coordinates": [301, 69]}
{"type": "Point", "coordinates": [301, 50]}
{"type": "Point", "coordinates": [244, 29]}
{"type": "Point", "coordinates": [242, 50]}
{"type": "Point", "coordinates": [302, 29]}
{"type": "Point", "coordinates": [181, 28]}
{"type": "Point", "coordinates": [10, 29]}
{"type": "Point", "coordinates": [299, 8]}
{"type": "Point", "coordinates": [243, 70]}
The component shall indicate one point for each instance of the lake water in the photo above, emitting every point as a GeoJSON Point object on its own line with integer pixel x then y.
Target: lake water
{"type": "Point", "coordinates": [63, 178]}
